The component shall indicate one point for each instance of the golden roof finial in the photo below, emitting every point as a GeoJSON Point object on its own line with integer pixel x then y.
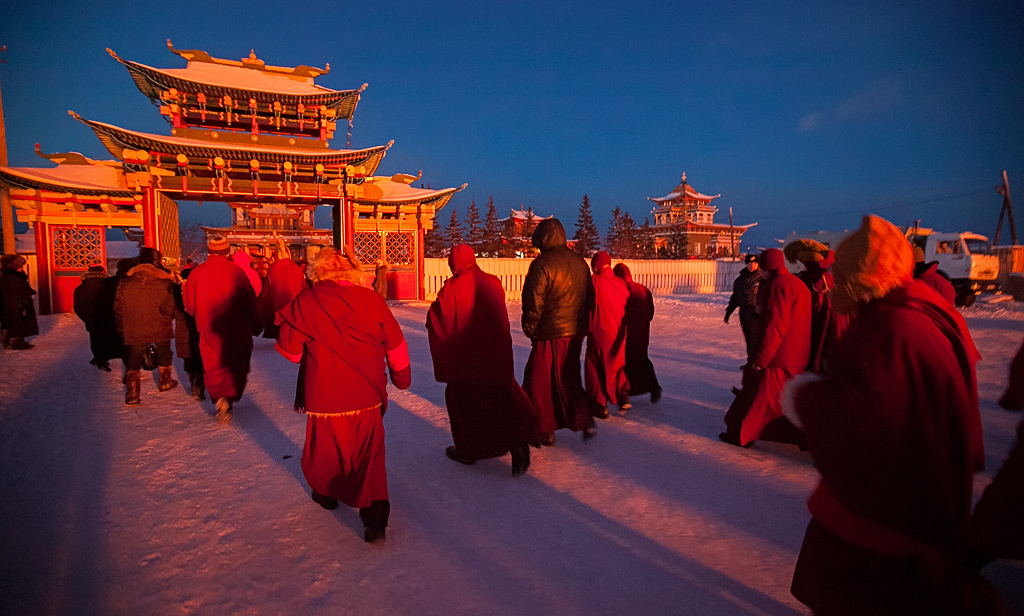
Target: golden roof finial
{"type": "Point", "coordinates": [684, 176]}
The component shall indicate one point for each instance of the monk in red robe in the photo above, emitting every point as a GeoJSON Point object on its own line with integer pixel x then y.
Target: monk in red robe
{"type": "Point", "coordinates": [285, 281]}
{"type": "Point", "coordinates": [471, 347]}
{"type": "Point", "coordinates": [605, 366]}
{"type": "Point", "coordinates": [218, 294]}
{"type": "Point", "coordinates": [639, 314]}
{"type": "Point", "coordinates": [894, 430]}
{"type": "Point", "coordinates": [784, 312]}
{"type": "Point", "coordinates": [343, 334]}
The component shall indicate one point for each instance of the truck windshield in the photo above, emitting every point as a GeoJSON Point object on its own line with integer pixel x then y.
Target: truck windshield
{"type": "Point", "coordinates": [978, 246]}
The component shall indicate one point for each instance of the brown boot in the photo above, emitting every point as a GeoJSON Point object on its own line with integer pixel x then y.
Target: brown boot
{"type": "Point", "coordinates": [195, 381]}
{"type": "Point", "coordinates": [132, 387]}
{"type": "Point", "coordinates": [223, 411]}
{"type": "Point", "coordinates": [166, 378]}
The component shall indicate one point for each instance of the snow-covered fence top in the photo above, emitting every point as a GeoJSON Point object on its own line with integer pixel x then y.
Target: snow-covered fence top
{"type": "Point", "coordinates": [662, 276]}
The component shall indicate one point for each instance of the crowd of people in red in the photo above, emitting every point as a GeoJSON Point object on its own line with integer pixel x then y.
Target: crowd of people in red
{"type": "Point", "coordinates": [855, 360]}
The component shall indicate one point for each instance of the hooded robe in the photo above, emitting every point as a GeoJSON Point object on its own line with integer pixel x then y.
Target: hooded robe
{"type": "Point", "coordinates": [605, 366]}
{"type": "Point", "coordinates": [285, 281]}
{"type": "Point", "coordinates": [471, 348]}
{"type": "Point", "coordinates": [638, 317]}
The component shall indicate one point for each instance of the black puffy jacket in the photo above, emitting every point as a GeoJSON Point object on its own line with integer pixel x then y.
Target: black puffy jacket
{"type": "Point", "coordinates": [558, 293]}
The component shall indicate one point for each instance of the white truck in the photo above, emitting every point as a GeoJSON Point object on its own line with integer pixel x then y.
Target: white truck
{"type": "Point", "coordinates": [965, 258]}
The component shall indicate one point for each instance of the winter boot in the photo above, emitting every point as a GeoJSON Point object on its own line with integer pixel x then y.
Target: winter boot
{"type": "Point", "coordinates": [624, 405]}
{"type": "Point", "coordinates": [132, 387]}
{"type": "Point", "coordinates": [5, 338]}
{"type": "Point", "coordinates": [375, 520]}
{"type": "Point", "coordinates": [590, 431]}
{"type": "Point", "coordinates": [223, 411]}
{"type": "Point", "coordinates": [195, 381]}
{"type": "Point", "coordinates": [520, 459]}
{"type": "Point", "coordinates": [458, 456]}
{"type": "Point", "coordinates": [166, 379]}
{"type": "Point", "coordinates": [19, 344]}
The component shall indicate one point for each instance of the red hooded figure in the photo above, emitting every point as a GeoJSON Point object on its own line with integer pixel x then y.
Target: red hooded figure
{"type": "Point", "coordinates": [218, 294]}
{"type": "Point", "coordinates": [894, 430]}
{"type": "Point", "coordinates": [784, 312]}
{"type": "Point", "coordinates": [604, 371]}
{"type": "Point", "coordinates": [344, 336]}
{"type": "Point", "coordinates": [639, 314]}
{"type": "Point", "coordinates": [471, 347]}
{"type": "Point", "coordinates": [827, 324]}
{"type": "Point", "coordinates": [285, 281]}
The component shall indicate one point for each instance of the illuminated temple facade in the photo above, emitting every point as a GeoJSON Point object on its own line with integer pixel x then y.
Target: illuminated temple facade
{"type": "Point", "coordinates": [684, 220]}
{"type": "Point", "coordinates": [245, 133]}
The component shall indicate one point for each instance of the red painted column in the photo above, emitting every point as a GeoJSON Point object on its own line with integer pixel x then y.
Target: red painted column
{"type": "Point", "coordinates": [43, 260]}
{"type": "Point", "coordinates": [349, 222]}
{"type": "Point", "coordinates": [150, 222]}
{"type": "Point", "coordinates": [421, 290]}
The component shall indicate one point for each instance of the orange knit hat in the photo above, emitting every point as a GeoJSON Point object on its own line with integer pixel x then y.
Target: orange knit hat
{"type": "Point", "coordinates": [876, 259]}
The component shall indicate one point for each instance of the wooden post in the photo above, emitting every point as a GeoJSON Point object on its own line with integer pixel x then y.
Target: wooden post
{"type": "Point", "coordinates": [1006, 210]}
{"type": "Point", "coordinates": [44, 248]}
{"type": "Point", "coordinates": [6, 212]}
{"type": "Point", "coordinates": [150, 221]}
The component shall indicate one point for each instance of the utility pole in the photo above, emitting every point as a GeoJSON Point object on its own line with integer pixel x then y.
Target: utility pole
{"type": "Point", "coordinates": [6, 213]}
{"type": "Point", "coordinates": [1007, 209]}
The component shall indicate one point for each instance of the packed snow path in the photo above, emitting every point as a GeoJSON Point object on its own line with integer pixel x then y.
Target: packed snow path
{"type": "Point", "coordinates": [157, 509]}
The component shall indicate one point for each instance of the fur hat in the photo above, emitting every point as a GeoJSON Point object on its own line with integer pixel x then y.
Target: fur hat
{"type": "Point", "coordinates": [750, 258]}
{"type": "Point", "coordinates": [217, 245]}
{"type": "Point", "coordinates": [461, 257]}
{"type": "Point", "coordinates": [876, 259]}
{"type": "Point", "coordinates": [12, 262]}
{"type": "Point", "coordinates": [805, 251]}
{"type": "Point", "coordinates": [772, 259]}
{"type": "Point", "coordinates": [151, 256]}
{"type": "Point", "coordinates": [331, 264]}
{"type": "Point", "coordinates": [601, 259]}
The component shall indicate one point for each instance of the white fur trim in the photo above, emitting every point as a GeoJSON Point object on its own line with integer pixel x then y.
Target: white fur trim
{"type": "Point", "coordinates": [789, 396]}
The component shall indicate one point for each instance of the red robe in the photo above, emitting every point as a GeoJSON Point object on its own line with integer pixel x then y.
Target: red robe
{"type": "Point", "coordinates": [471, 347]}
{"type": "Point", "coordinates": [219, 296]}
{"type": "Point", "coordinates": [784, 306]}
{"type": "Point", "coordinates": [605, 366]}
{"type": "Point", "coordinates": [343, 334]}
{"type": "Point", "coordinates": [895, 432]}
{"type": "Point", "coordinates": [638, 317]}
{"type": "Point", "coordinates": [827, 325]}
{"type": "Point", "coordinates": [285, 281]}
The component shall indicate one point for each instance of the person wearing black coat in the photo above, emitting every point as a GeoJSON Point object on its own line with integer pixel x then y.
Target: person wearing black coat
{"type": "Point", "coordinates": [17, 313]}
{"type": "Point", "coordinates": [558, 295]}
{"type": "Point", "coordinates": [87, 298]}
{"type": "Point", "coordinates": [744, 297]}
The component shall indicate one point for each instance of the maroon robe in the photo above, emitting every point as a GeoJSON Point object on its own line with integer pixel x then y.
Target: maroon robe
{"type": "Point", "coordinates": [342, 334]}
{"type": "Point", "coordinates": [471, 347]}
{"type": "Point", "coordinates": [827, 325]}
{"type": "Point", "coordinates": [895, 432]}
{"type": "Point", "coordinates": [218, 294]}
{"type": "Point", "coordinates": [784, 306]}
{"type": "Point", "coordinates": [285, 281]}
{"type": "Point", "coordinates": [605, 365]}
{"type": "Point", "coordinates": [638, 317]}
{"type": "Point", "coordinates": [928, 273]}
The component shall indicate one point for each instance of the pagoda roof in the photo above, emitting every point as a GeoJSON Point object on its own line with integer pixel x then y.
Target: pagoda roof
{"type": "Point", "coordinates": [118, 139]}
{"type": "Point", "coordinates": [683, 189]}
{"type": "Point", "coordinates": [91, 179]}
{"type": "Point", "coordinates": [698, 226]}
{"type": "Point", "coordinates": [392, 191]}
{"type": "Point", "coordinates": [525, 215]}
{"type": "Point", "coordinates": [241, 80]}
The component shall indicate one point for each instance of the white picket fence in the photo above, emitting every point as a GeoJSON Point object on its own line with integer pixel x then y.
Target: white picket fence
{"type": "Point", "coordinates": [662, 276]}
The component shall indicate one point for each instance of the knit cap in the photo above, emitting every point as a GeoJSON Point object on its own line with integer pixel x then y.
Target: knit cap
{"type": "Point", "coordinates": [217, 245]}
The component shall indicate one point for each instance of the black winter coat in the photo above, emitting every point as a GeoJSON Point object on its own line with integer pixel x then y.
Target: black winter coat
{"type": "Point", "coordinates": [17, 313]}
{"type": "Point", "coordinates": [87, 298]}
{"type": "Point", "coordinates": [744, 294]}
{"type": "Point", "coordinates": [558, 293]}
{"type": "Point", "coordinates": [144, 309]}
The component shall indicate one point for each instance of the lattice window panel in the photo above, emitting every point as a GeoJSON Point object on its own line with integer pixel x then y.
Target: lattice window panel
{"type": "Point", "coordinates": [76, 248]}
{"type": "Point", "coordinates": [367, 247]}
{"type": "Point", "coordinates": [399, 248]}
{"type": "Point", "coordinates": [170, 244]}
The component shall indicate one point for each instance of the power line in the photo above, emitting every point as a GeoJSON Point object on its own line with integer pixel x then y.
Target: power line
{"type": "Point", "coordinates": [876, 209]}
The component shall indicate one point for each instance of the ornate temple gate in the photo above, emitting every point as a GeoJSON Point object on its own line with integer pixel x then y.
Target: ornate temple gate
{"type": "Point", "coordinates": [73, 250]}
{"type": "Point", "coordinates": [398, 251]}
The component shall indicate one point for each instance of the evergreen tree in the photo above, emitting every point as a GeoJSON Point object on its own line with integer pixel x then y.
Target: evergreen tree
{"type": "Point", "coordinates": [491, 245]}
{"type": "Point", "coordinates": [588, 240]}
{"type": "Point", "coordinates": [613, 240]}
{"type": "Point", "coordinates": [676, 246]}
{"type": "Point", "coordinates": [645, 245]}
{"type": "Point", "coordinates": [530, 225]}
{"type": "Point", "coordinates": [475, 230]}
{"type": "Point", "coordinates": [453, 231]}
{"type": "Point", "coordinates": [627, 237]}
{"type": "Point", "coordinates": [434, 246]}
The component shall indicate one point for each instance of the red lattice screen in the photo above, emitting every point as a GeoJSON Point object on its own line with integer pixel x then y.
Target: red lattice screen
{"type": "Point", "coordinates": [76, 248]}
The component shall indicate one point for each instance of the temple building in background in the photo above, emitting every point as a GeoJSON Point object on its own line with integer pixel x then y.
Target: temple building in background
{"type": "Point", "coordinates": [684, 225]}
{"type": "Point", "coordinates": [245, 133]}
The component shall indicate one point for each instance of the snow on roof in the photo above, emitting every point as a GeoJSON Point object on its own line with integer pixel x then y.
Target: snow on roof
{"type": "Point", "coordinates": [525, 214]}
{"type": "Point", "coordinates": [243, 78]}
{"type": "Point", "coordinates": [87, 177]}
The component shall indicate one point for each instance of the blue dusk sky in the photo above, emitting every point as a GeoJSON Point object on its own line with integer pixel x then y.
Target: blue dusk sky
{"type": "Point", "coordinates": [803, 115]}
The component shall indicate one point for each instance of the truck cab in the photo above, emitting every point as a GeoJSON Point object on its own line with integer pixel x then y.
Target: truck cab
{"type": "Point", "coordinates": [964, 258]}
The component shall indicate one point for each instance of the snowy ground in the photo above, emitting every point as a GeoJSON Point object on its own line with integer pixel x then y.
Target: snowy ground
{"type": "Point", "coordinates": [157, 509]}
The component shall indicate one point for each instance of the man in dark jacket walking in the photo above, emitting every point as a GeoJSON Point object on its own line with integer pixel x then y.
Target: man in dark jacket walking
{"type": "Point", "coordinates": [558, 295]}
{"type": "Point", "coordinates": [145, 311]}
{"type": "Point", "coordinates": [744, 297]}
{"type": "Point", "coordinates": [784, 310]}
{"type": "Point", "coordinates": [87, 299]}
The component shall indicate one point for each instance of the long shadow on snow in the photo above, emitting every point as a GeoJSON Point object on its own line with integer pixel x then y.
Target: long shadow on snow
{"type": "Point", "coordinates": [55, 457]}
{"type": "Point", "coordinates": [537, 550]}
